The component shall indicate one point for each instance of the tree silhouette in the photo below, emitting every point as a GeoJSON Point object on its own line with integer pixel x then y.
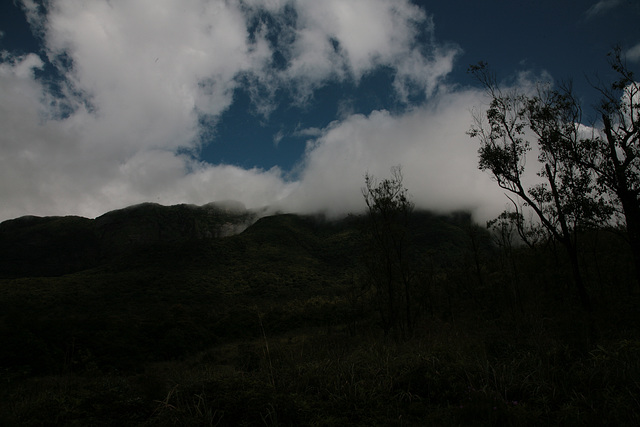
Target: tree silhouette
{"type": "Point", "coordinates": [566, 200]}
{"type": "Point", "coordinates": [613, 150]}
{"type": "Point", "coordinates": [388, 262]}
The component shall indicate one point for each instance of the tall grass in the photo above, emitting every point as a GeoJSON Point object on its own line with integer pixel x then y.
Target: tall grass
{"type": "Point", "coordinates": [447, 376]}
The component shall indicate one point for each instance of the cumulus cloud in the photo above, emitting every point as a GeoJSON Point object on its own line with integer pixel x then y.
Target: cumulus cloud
{"type": "Point", "coordinates": [140, 78]}
{"type": "Point", "coordinates": [438, 159]}
{"type": "Point", "coordinates": [334, 39]}
{"type": "Point", "coordinates": [31, 146]}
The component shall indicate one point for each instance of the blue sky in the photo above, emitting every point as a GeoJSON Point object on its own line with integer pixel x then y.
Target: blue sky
{"type": "Point", "coordinates": [286, 103]}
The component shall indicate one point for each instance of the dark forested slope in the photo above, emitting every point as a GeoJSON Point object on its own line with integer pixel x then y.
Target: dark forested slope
{"type": "Point", "coordinates": [152, 282]}
{"type": "Point", "coordinates": [51, 246]}
{"type": "Point", "coordinates": [156, 315]}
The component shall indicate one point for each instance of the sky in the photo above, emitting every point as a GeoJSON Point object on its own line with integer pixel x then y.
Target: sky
{"type": "Point", "coordinates": [280, 103]}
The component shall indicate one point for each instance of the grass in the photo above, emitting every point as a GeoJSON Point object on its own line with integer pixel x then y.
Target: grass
{"type": "Point", "coordinates": [447, 376]}
{"type": "Point", "coordinates": [271, 327]}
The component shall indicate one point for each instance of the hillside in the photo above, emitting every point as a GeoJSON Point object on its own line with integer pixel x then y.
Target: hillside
{"type": "Point", "coordinates": [187, 315]}
{"type": "Point", "coordinates": [51, 246]}
{"type": "Point", "coordinates": [173, 273]}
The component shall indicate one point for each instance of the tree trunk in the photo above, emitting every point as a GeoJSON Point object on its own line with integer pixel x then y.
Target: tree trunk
{"type": "Point", "coordinates": [570, 245]}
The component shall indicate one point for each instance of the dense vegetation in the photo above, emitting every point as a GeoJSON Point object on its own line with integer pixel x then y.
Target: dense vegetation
{"type": "Point", "coordinates": [277, 326]}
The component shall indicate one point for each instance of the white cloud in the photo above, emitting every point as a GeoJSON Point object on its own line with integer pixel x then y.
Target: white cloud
{"type": "Point", "coordinates": [336, 39]}
{"type": "Point", "coordinates": [21, 67]}
{"type": "Point", "coordinates": [149, 68]}
{"type": "Point", "coordinates": [368, 32]}
{"type": "Point", "coordinates": [633, 54]}
{"type": "Point", "coordinates": [163, 175]}
{"type": "Point", "coordinates": [439, 160]}
{"type": "Point", "coordinates": [140, 75]}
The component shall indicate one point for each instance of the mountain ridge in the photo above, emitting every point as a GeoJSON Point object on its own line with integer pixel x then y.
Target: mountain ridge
{"type": "Point", "coordinates": [56, 245]}
{"type": "Point", "coordinates": [32, 246]}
